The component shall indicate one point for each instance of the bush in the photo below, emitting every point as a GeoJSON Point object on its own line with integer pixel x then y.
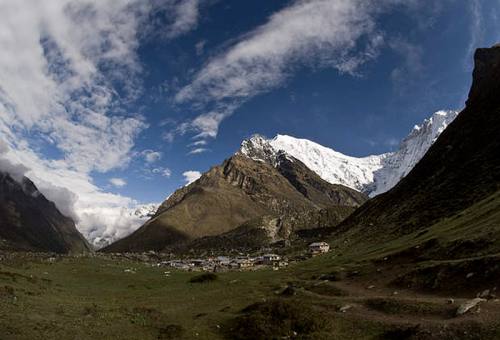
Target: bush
{"type": "Point", "coordinates": [400, 333]}
{"type": "Point", "coordinates": [333, 276]}
{"type": "Point", "coordinates": [274, 320]}
{"type": "Point", "coordinates": [206, 277]}
{"type": "Point", "coordinates": [171, 332]}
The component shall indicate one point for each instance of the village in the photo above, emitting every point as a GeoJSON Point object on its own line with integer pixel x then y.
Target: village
{"type": "Point", "coordinates": [220, 263]}
{"type": "Point", "coordinates": [240, 262]}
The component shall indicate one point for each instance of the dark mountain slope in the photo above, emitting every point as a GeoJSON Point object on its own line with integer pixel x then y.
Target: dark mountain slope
{"type": "Point", "coordinates": [227, 196]}
{"type": "Point", "coordinates": [30, 222]}
{"type": "Point", "coordinates": [313, 187]}
{"type": "Point", "coordinates": [459, 170]}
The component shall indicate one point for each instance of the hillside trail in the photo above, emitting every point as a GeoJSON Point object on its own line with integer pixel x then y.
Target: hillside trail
{"type": "Point", "coordinates": [398, 306]}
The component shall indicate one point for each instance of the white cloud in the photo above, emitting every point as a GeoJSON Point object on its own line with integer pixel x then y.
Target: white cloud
{"type": "Point", "coordinates": [186, 17]}
{"type": "Point", "coordinates": [52, 81]}
{"type": "Point", "coordinates": [197, 151]}
{"type": "Point", "coordinates": [199, 143]}
{"type": "Point", "coordinates": [17, 171]}
{"type": "Point", "coordinates": [318, 33]}
{"type": "Point", "coordinates": [67, 70]}
{"type": "Point", "coordinates": [169, 136]}
{"type": "Point", "coordinates": [476, 30]}
{"type": "Point", "coordinates": [200, 47]}
{"type": "Point", "coordinates": [412, 67]}
{"type": "Point", "coordinates": [191, 176]}
{"type": "Point", "coordinates": [118, 182]}
{"type": "Point", "coordinates": [165, 172]}
{"type": "Point", "coordinates": [171, 19]}
{"type": "Point", "coordinates": [151, 156]}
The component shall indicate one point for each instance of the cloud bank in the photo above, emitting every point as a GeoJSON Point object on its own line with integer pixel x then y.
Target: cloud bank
{"type": "Point", "coordinates": [68, 69]}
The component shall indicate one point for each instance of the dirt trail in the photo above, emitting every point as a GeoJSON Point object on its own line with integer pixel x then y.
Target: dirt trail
{"type": "Point", "coordinates": [371, 297]}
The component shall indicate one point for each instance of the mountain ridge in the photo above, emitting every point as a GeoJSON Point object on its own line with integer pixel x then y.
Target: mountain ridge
{"type": "Point", "coordinates": [302, 170]}
{"type": "Point", "coordinates": [373, 174]}
{"type": "Point", "coordinates": [233, 193]}
{"type": "Point", "coordinates": [30, 222]}
{"type": "Point", "coordinates": [460, 170]}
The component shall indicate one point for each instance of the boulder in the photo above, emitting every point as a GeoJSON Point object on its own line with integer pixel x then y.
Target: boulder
{"type": "Point", "coordinates": [344, 308]}
{"type": "Point", "coordinates": [468, 306]}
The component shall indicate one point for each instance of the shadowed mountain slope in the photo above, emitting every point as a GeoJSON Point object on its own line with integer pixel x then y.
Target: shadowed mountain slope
{"type": "Point", "coordinates": [30, 222]}
{"type": "Point", "coordinates": [461, 169]}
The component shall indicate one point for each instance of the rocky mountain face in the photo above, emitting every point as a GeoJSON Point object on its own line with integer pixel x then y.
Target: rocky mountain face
{"type": "Point", "coordinates": [372, 175]}
{"type": "Point", "coordinates": [455, 188]}
{"type": "Point", "coordinates": [30, 222]}
{"type": "Point", "coordinates": [332, 166]}
{"type": "Point", "coordinates": [241, 189]}
{"type": "Point", "coordinates": [265, 231]}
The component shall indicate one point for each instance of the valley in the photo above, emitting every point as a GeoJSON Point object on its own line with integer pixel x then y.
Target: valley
{"type": "Point", "coordinates": [283, 239]}
{"type": "Point", "coordinates": [333, 296]}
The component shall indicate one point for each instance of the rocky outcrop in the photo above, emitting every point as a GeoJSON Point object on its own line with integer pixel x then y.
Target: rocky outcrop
{"type": "Point", "coordinates": [468, 306]}
{"type": "Point", "coordinates": [485, 76]}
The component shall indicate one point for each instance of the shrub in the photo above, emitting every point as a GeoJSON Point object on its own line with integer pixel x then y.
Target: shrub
{"type": "Point", "coordinates": [275, 319]}
{"type": "Point", "coordinates": [171, 332]}
{"type": "Point", "coordinates": [206, 277]}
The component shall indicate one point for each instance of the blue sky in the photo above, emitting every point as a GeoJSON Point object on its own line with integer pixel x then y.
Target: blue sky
{"type": "Point", "coordinates": [357, 114]}
{"type": "Point", "coordinates": [108, 104]}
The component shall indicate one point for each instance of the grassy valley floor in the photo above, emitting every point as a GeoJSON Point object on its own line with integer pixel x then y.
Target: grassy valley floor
{"type": "Point", "coordinates": [327, 297]}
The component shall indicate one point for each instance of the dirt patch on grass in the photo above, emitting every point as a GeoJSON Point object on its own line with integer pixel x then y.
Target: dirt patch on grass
{"type": "Point", "coordinates": [463, 278]}
{"type": "Point", "coordinates": [325, 288]}
{"type": "Point", "coordinates": [469, 330]}
{"type": "Point", "coordinates": [399, 307]}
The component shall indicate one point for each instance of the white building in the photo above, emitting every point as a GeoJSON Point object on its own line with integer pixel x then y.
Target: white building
{"type": "Point", "coordinates": [270, 258]}
{"type": "Point", "coordinates": [319, 248]}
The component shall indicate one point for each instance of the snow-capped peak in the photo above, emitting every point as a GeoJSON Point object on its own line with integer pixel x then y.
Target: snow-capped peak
{"type": "Point", "coordinates": [332, 166]}
{"type": "Point", "coordinates": [372, 174]}
{"type": "Point", "coordinates": [146, 210]}
{"type": "Point", "coordinates": [258, 148]}
{"type": "Point", "coordinates": [399, 163]}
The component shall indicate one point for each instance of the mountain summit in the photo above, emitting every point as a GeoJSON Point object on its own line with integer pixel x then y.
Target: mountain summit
{"type": "Point", "coordinates": [451, 196]}
{"type": "Point", "coordinates": [372, 175]}
{"type": "Point", "coordinates": [280, 178]}
{"type": "Point", "coordinates": [240, 190]}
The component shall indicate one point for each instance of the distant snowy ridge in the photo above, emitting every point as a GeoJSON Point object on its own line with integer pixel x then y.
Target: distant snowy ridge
{"type": "Point", "coordinates": [372, 174]}
{"type": "Point", "coordinates": [398, 164]}
{"type": "Point", "coordinates": [146, 210]}
{"type": "Point", "coordinates": [136, 215]}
